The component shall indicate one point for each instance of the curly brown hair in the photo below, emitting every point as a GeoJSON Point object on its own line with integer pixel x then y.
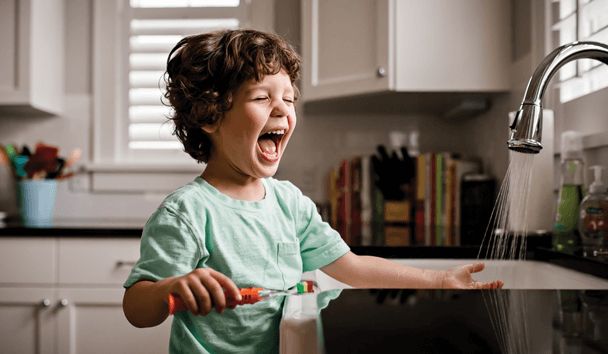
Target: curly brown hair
{"type": "Point", "coordinates": [204, 71]}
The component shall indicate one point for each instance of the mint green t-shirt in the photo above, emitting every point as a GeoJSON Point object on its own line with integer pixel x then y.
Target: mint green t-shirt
{"type": "Point", "coordinates": [268, 243]}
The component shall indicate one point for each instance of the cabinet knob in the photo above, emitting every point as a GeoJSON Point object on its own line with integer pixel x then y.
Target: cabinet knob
{"type": "Point", "coordinates": [45, 303]}
{"type": "Point", "coordinates": [381, 72]}
{"type": "Point", "coordinates": [64, 302]}
{"type": "Point", "coordinates": [125, 264]}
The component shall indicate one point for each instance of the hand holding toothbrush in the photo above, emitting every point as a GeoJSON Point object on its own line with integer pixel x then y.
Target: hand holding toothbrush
{"type": "Point", "coordinates": [248, 296]}
{"type": "Point", "coordinates": [202, 289]}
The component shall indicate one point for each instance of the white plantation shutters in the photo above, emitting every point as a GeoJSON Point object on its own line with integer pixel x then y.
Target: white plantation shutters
{"type": "Point", "coordinates": [154, 27]}
{"type": "Point", "coordinates": [580, 20]}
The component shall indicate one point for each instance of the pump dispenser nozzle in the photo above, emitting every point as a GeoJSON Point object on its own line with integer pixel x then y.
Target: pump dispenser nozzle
{"type": "Point", "coordinates": [597, 186]}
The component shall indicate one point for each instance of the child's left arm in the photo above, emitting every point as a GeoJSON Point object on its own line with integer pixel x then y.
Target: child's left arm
{"type": "Point", "coordinates": [375, 272]}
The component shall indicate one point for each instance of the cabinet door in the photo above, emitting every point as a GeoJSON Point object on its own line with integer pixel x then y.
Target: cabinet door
{"type": "Point", "coordinates": [96, 261]}
{"type": "Point", "coordinates": [26, 320]}
{"type": "Point", "coordinates": [8, 43]}
{"type": "Point", "coordinates": [345, 48]}
{"type": "Point", "coordinates": [453, 46]}
{"type": "Point", "coordinates": [91, 321]}
{"type": "Point", "coordinates": [27, 260]}
{"type": "Point", "coordinates": [31, 74]}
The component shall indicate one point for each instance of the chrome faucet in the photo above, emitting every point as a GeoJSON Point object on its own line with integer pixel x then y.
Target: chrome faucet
{"type": "Point", "coordinates": [528, 123]}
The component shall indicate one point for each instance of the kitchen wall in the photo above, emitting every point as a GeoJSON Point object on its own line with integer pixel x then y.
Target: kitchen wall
{"type": "Point", "coordinates": [322, 137]}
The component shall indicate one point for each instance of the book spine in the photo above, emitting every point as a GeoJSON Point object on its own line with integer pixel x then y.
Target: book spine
{"type": "Point", "coordinates": [457, 204]}
{"type": "Point", "coordinates": [429, 202]}
{"type": "Point", "coordinates": [438, 199]}
{"type": "Point", "coordinates": [366, 201]}
{"type": "Point", "coordinates": [450, 163]}
{"type": "Point", "coordinates": [344, 209]}
{"type": "Point", "coordinates": [355, 201]}
{"type": "Point", "coordinates": [377, 210]}
{"type": "Point", "coordinates": [420, 195]}
{"type": "Point", "coordinates": [334, 199]}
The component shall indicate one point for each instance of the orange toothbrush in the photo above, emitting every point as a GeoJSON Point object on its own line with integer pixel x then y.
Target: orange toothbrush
{"type": "Point", "coordinates": [250, 296]}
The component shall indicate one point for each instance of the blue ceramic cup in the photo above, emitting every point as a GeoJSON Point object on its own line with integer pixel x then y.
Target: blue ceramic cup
{"type": "Point", "coordinates": [36, 202]}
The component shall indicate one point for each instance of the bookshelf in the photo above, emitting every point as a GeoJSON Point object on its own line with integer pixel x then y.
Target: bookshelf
{"type": "Point", "coordinates": [429, 212]}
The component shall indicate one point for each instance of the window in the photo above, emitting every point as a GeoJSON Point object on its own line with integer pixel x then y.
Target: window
{"type": "Point", "coordinates": [132, 42]}
{"type": "Point", "coordinates": [580, 20]}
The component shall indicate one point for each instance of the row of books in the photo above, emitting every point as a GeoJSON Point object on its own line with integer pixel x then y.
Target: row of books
{"type": "Point", "coordinates": [429, 215]}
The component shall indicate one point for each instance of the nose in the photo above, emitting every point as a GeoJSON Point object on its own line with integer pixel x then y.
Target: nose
{"type": "Point", "coordinates": [281, 109]}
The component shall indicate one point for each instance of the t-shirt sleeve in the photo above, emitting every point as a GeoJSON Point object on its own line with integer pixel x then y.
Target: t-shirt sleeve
{"type": "Point", "coordinates": [168, 248]}
{"type": "Point", "coordinates": [320, 245]}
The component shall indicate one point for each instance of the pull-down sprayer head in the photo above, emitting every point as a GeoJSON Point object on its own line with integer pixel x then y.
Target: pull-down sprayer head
{"type": "Point", "coordinates": [528, 123]}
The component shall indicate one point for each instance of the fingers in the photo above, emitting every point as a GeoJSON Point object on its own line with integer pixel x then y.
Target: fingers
{"type": "Point", "coordinates": [187, 294]}
{"type": "Point", "coordinates": [202, 299]}
{"type": "Point", "coordinates": [203, 289]}
{"type": "Point", "coordinates": [476, 267]}
{"type": "Point", "coordinates": [231, 289]}
{"type": "Point", "coordinates": [215, 284]}
{"type": "Point", "coordinates": [497, 284]}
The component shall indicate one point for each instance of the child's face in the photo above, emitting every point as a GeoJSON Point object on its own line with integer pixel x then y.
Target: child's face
{"type": "Point", "coordinates": [252, 136]}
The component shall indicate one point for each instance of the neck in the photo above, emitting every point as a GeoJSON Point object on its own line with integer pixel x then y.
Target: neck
{"type": "Point", "coordinates": [248, 188]}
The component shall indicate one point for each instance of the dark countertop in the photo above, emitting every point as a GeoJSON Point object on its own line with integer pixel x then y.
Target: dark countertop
{"type": "Point", "coordinates": [462, 321]}
{"type": "Point", "coordinates": [77, 228]}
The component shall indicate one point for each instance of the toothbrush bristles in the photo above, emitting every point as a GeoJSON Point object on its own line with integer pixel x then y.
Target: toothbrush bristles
{"type": "Point", "coordinates": [305, 287]}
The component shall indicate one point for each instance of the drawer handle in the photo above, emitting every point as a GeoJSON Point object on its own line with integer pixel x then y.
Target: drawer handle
{"type": "Point", "coordinates": [45, 303]}
{"type": "Point", "coordinates": [120, 264]}
{"type": "Point", "coordinates": [64, 303]}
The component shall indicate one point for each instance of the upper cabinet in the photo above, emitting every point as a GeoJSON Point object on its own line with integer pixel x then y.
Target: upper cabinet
{"type": "Point", "coordinates": [32, 57]}
{"type": "Point", "coordinates": [360, 47]}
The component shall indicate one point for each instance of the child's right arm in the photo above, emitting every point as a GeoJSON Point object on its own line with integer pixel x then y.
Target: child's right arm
{"type": "Point", "coordinates": [145, 303]}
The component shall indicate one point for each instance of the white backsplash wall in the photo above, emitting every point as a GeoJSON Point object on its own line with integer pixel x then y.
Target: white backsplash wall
{"type": "Point", "coordinates": [68, 132]}
{"type": "Point", "coordinates": [319, 143]}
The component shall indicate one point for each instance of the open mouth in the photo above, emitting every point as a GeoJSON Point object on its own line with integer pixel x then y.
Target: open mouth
{"type": "Point", "coordinates": [269, 144]}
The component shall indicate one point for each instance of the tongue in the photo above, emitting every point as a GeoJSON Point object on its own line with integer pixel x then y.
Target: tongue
{"type": "Point", "coordinates": [267, 145]}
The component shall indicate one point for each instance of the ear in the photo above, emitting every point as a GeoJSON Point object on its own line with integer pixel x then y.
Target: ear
{"type": "Point", "coordinates": [211, 128]}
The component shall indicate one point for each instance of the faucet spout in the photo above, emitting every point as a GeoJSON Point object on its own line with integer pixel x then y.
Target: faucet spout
{"type": "Point", "coordinates": [526, 128]}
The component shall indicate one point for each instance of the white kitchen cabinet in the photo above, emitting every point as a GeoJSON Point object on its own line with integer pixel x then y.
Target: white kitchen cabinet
{"type": "Point", "coordinates": [27, 322]}
{"type": "Point", "coordinates": [372, 46]}
{"type": "Point", "coordinates": [91, 321]}
{"type": "Point", "coordinates": [32, 57]}
{"type": "Point", "coordinates": [68, 297]}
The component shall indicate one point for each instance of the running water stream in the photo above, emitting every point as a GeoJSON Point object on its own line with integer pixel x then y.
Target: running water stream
{"type": "Point", "coordinates": [505, 239]}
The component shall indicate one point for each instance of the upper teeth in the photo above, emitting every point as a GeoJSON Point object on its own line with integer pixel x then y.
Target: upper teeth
{"type": "Point", "coordinates": [277, 132]}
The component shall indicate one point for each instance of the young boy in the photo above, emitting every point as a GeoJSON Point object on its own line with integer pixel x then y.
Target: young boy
{"type": "Point", "coordinates": [233, 94]}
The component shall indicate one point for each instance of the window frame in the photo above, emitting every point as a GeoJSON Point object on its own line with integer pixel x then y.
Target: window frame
{"type": "Point", "coordinates": [110, 90]}
{"type": "Point", "coordinates": [578, 78]}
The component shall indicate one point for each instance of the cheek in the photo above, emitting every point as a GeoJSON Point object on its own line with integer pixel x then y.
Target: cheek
{"type": "Point", "coordinates": [292, 121]}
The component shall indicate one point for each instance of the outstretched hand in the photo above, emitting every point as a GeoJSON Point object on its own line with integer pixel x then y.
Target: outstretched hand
{"type": "Point", "coordinates": [460, 278]}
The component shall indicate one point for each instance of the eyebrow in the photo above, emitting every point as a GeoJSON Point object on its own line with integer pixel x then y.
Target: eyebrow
{"type": "Point", "coordinates": [267, 87]}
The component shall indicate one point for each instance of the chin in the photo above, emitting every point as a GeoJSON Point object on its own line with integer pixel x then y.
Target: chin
{"type": "Point", "coordinates": [269, 171]}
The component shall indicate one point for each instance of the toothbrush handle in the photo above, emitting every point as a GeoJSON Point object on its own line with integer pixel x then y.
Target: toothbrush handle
{"type": "Point", "coordinates": [250, 296]}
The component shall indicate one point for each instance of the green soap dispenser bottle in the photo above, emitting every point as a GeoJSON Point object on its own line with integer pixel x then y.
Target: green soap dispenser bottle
{"type": "Point", "coordinates": [566, 237]}
{"type": "Point", "coordinates": [593, 216]}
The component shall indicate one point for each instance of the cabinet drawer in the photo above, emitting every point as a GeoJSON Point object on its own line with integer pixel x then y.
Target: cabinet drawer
{"type": "Point", "coordinates": [101, 261]}
{"type": "Point", "coordinates": [28, 260]}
